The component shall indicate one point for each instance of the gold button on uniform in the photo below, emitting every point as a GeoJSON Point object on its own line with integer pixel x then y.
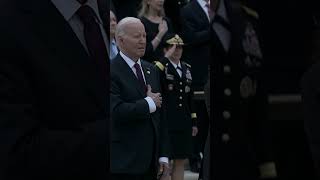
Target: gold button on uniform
{"type": "Point", "coordinates": [226, 114]}
{"type": "Point", "coordinates": [180, 105]}
{"type": "Point", "coordinates": [180, 83]}
{"type": "Point", "coordinates": [227, 92]}
{"type": "Point", "coordinates": [180, 90]}
{"type": "Point", "coordinates": [226, 69]}
{"type": "Point", "coordinates": [225, 137]}
{"type": "Point", "coordinates": [180, 97]}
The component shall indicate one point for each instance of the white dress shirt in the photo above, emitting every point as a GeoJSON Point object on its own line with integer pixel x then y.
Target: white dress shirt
{"type": "Point", "coordinates": [203, 4]}
{"type": "Point", "coordinates": [175, 67]}
{"type": "Point", "coordinates": [113, 49]}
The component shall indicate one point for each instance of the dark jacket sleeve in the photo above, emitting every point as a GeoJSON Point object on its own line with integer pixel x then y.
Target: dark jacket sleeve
{"type": "Point", "coordinates": [190, 31]}
{"type": "Point", "coordinates": [122, 110]}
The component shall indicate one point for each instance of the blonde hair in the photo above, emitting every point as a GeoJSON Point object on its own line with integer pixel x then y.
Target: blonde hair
{"type": "Point", "coordinates": [144, 9]}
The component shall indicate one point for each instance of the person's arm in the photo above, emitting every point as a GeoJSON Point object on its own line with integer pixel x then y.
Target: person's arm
{"type": "Point", "coordinates": [164, 147]}
{"type": "Point", "coordinates": [192, 108]}
{"type": "Point", "coordinates": [190, 30]}
{"type": "Point", "coordinates": [124, 111]}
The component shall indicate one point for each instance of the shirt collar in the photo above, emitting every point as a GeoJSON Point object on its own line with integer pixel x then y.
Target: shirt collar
{"type": "Point", "coordinates": [202, 4]}
{"type": "Point", "coordinates": [129, 61]}
{"type": "Point", "coordinates": [69, 7]}
{"type": "Point", "coordinates": [113, 41]}
{"type": "Point", "coordinates": [175, 65]}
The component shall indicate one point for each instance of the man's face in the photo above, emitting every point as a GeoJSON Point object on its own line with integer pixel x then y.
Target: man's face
{"type": "Point", "coordinates": [113, 23]}
{"type": "Point", "coordinates": [133, 42]}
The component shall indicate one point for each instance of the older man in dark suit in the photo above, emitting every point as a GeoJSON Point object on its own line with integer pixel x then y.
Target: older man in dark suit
{"type": "Point", "coordinates": [53, 93]}
{"type": "Point", "coordinates": [139, 134]}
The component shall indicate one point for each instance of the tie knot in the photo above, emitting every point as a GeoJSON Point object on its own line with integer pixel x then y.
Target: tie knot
{"type": "Point", "coordinates": [86, 14]}
{"type": "Point", "coordinates": [137, 66]}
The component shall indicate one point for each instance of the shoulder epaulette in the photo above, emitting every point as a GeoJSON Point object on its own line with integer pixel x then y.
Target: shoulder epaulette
{"type": "Point", "coordinates": [159, 65]}
{"type": "Point", "coordinates": [250, 11]}
{"type": "Point", "coordinates": [188, 65]}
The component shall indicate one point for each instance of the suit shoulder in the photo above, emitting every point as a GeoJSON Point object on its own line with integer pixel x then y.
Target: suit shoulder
{"type": "Point", "coordinates": [146, 63]}
{"type": "Point", "coordinates": [186, 8]}
{"type": "Point", "coordinates": [250, 12]}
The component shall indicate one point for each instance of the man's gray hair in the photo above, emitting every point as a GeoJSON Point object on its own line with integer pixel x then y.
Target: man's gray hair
{"type": "Point", "coordinates": [121, 26]}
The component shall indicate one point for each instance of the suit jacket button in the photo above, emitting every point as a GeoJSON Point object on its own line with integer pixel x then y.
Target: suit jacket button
{"type": "Point", "coordinates": [179, 2]}
{"type": "Point", "coordinates": [180, 105]}
{"type": "Point", "coordinates": [225, 137]}
{"type": "Point", "coordinates": [227, 92]}
{"type": "Point", "coordinates": [180, 83]}
{"type": "Point", "coordinates": [226, 114]}
{"type": "Point", "coordinates": [180, 97]}
{"type": "Point", "coordinates": [180, 90]}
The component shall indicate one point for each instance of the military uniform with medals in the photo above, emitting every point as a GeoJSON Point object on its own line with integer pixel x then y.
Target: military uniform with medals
{"type": "Point", "coordinates": [179, 103]}
{"type": "Point", "coordinates": [240, 136]}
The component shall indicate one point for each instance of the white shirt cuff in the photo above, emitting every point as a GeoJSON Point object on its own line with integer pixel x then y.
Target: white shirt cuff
{"type": "Point", "coordinates": [152, 105]}
{"type": "Point", "coordinates": [164, 160]}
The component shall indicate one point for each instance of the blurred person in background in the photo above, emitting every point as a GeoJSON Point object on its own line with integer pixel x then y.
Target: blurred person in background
{"type": "Point", "coordinates": [157, 25]}
{"type": "Point", "coordinates": [113, 46]}
{"type": "Point", "coordinates": [240, 137]}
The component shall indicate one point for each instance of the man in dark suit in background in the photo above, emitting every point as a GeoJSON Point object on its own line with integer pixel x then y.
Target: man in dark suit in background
{"type": "Point", "coordinates": [195, 19]}
{"type": "Point", "coordinates": [138, 133]}
{"type": "Point", "coordinates": [53, 93]}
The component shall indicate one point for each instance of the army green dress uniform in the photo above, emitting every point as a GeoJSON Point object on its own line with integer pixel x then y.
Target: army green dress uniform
{"type": "Point", "coordinates": [240, 134]}
{"type": "Point", "coordinates": [179, 103]}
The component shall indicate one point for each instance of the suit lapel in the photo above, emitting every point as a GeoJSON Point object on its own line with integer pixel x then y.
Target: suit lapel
{"type": "Point", "coordinates": [237, 25]}
{"type": "Point", "coordinates": [56, 38]}
{"type": "Point", "coordinates": [129, 74]}
{"type": "Point", "coordinates": [147, 73]}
